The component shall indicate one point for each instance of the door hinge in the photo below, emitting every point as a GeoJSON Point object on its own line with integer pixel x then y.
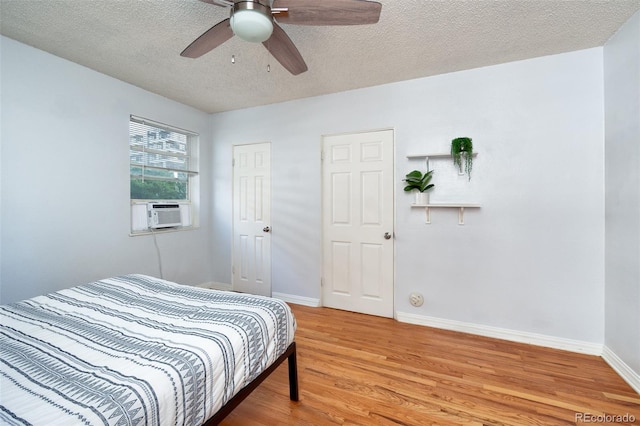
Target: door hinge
{"type": "Point", "coordinates": [233, 162]}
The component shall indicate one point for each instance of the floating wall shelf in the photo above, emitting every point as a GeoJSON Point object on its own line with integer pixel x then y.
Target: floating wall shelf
{"type": "Point", "coordinates": [427, 207]}
{"type": "Point", "coordinates": [435, 155]}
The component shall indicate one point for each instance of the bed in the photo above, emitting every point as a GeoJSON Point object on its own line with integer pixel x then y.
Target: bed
{"type": "Point", "coordinates": [137, 350]}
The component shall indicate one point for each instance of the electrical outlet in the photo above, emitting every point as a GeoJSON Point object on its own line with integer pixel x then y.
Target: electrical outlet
{"type": "Point", "coordinates": [416, 299]}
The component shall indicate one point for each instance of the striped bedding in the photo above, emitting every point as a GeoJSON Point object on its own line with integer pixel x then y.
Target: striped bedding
{"type": "Point", "coordinates": [134, 350]}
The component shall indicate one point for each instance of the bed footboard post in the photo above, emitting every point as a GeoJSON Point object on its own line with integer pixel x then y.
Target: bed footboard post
{"type": "Point", "coordinates": [293, 374]}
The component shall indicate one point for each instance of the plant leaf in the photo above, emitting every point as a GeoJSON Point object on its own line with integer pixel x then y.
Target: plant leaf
{"type": "Point", "coordinates": [415, 181]}
{"type": "Point", "coordinates": [428, 187]}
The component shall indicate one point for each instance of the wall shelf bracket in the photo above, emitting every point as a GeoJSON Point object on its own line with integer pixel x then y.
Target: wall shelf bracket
{"type": "Point", "coordinates": [461, 216]}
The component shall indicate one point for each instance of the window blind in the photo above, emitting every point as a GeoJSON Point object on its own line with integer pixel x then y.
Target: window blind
{"type": "Point", "coordinates": [160, 153]}
{"type": "Point", "coordinates": [154, 146]}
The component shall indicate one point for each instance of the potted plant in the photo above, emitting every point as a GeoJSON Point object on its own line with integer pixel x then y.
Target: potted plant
{"type": "Point", "coordinates": [421, 182]}
{"type": "Point", "coordinates": [462, 149]}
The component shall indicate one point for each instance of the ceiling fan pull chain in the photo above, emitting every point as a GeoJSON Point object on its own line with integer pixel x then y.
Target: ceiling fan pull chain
{"type": "Point", "coordinates": [233, 59]}
{"type": "Point", "coordinates": [268, 55]}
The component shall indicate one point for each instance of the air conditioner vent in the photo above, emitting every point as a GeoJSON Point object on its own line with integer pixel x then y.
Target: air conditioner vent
{"type": "Point", "coordinates": [164, 215]}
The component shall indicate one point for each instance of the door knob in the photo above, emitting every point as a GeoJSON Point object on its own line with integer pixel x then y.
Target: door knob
{"type": "Point", "coordinates": [266, 229]}
{"type": "Point", "coordinates": [387, 236]}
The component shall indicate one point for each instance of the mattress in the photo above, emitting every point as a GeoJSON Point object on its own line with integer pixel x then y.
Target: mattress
{"type": "Point", "coordinates": [134, 350]}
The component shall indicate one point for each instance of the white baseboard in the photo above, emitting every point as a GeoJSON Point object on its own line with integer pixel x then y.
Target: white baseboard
{"type": "Point", "coordinates": [216, 286]}
{"type": "Point", "coordinates": [289, 298]}
{"type": "Point", "coordinates": [298, 300]}
{"type": "Point", "coordinates": [622, 368]}
{"type": "Point", "coordinates": [502, 333]}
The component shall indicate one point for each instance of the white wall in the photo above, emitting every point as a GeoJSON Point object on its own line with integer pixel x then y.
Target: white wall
{"type": "Point", "coordinates": [532, 259]}
{"type": "Point", "coordinates": [535, 251]}
{"type": "Point", "coordinates": [65, 178]}
{"type": "Point", "coordinates": [622, 162]}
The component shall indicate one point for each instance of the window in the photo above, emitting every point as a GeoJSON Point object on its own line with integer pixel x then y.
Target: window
{"type": "Point", "coordinates": [163, 164]}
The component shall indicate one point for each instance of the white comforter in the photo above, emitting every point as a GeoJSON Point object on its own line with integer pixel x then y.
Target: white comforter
{"type": "Point", "coordinates": [134, 350]}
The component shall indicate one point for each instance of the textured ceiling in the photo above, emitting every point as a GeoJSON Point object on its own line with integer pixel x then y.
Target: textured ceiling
{"type": "Point", "coordinates": [139, 42]}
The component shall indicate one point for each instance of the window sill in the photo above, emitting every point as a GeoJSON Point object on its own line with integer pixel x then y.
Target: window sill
{"type": "Point", "coordinates": [162, 231]}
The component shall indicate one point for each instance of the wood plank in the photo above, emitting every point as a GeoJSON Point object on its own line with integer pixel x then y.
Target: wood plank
{"type": "Point", "coordinates": [363, 370]}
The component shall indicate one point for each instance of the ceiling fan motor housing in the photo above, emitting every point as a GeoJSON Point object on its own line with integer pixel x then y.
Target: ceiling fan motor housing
{"type": "Point", "coordinates": [252, 21]}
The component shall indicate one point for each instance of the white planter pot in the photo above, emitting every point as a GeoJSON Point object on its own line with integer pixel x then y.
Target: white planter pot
{"type": "Point", "coordinates": [422, 198]}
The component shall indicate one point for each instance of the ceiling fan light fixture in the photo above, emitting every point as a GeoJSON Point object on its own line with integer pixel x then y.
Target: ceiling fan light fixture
{"type": "Point", "coordinates": [251, 21]}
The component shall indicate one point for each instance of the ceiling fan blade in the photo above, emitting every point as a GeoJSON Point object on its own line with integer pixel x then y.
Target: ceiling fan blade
{"type": "Point", "coordinates": [328, 12]}
{"type": "Point", "coordinates": [209, 40]}
{"type": "Point", "coordinates": [283, 49]}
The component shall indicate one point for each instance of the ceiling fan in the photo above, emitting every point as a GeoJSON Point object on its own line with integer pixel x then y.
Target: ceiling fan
{"type": "Point", "coordinates": [253, 21]}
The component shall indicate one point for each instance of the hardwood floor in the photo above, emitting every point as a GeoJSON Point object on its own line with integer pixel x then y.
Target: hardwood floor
{"type": "Point", "coordinates": [362, 370]}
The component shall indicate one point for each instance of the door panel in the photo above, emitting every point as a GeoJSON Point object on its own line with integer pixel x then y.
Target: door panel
{"type": "Point", "coordinates": [341, 261]}
{"type": "Point", "coordinates": [372, 258]}
{"type": "Point", "coordinates": [358, 205]}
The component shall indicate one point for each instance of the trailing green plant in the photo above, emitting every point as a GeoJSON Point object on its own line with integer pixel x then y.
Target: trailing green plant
{"type": "Point", "coordinates": [462, 148]}
{"type": "Point", "coordinates": [417, 180]}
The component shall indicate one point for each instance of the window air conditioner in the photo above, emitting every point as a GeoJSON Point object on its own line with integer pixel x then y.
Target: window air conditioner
{"type": "Point", "coordinates": [163, 215]}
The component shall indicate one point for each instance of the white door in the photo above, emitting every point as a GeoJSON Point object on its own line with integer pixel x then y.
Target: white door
{"type": "Point", "coordinates": [358, 200]}
{"type": "Point", "coordinates": [251, 218]}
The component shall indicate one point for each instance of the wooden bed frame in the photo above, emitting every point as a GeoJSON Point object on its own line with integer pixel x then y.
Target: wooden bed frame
{"type": "Point", "coordinates": [289, 354]}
